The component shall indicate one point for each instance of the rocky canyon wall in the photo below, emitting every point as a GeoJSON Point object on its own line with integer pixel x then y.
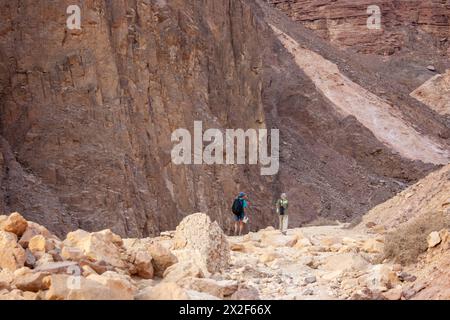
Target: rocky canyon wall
{"type": "Point", "coordinates": [88, 114]}
{"type": "Point", "coordinates": [403, 23]}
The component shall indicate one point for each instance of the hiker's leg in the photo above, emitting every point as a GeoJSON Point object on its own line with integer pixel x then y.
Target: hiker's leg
{"type": "Point", "coordinates": [285, 224]}
{"type": "Point", "coordinates": [241, 228]}
{"type": "Point", "coordinates": [236, 227]}
{"type": "Point", "coordinates": [280, 223]}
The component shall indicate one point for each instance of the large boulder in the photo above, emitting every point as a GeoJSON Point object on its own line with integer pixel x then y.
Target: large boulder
{"type": "Point", "coordinates": [276, 239]}
{"type": "Point", "coordinates": [6, 279]}
{"type": "Point", "coordinates": [64, 287]}
{"type": "Point", "coordinates": [38, 245]}
{"type": "Point", "coordinates": [172, 291]}
{"type": "Point", "coordinates": [197, 233]}
{"type": "Point", "coordinates": [139, 258]}
{"type": "Point", "coordinates": [380, 277]}
{"type": "Point", "coordinates": [34, 229]}
{"type": "Point", "coordinates": [32, 281]}
{"type": "Point", "coordinates": [143, 264]}
{"type": "Point", "coordinates": [162, 258]}
{"type": "Point", "coordinates": [116, 282]}
{"type": "Point", "coordinates": [433, 239]}
{"type": "Point", "coordinates": [98, 246]}
{"type": "Point", "coordinates": [181, 270]}
{"type": "Point", "coordinates": [345, 262]}
{"type": "Point", "coordinates": [245, 292]}
{"type": "Point", "coordinates": [12, 255]}
{"type": "Point", "coordinates": [15, 223]}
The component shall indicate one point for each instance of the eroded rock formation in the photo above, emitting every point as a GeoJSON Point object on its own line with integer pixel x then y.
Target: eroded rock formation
{"type": "Point", "coordinates": [344, 22]}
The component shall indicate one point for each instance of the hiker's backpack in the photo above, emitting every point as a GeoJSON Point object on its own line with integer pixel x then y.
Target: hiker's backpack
{"type": "Point", "coordinates": [282, 208]}
{"type": "Point", "coordinates": [238, 207]}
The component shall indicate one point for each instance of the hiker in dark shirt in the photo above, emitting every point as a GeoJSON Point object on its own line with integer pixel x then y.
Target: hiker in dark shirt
{"type": "Point", "coordinates": [239, 206]}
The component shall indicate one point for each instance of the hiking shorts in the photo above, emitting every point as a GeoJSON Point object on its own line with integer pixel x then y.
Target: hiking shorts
{"type": "Point", "coordinates": [239, 218]}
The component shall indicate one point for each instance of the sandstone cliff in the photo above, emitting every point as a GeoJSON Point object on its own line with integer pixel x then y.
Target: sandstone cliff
{"type": "Point", "coordinates": [403, 23]}
{"type": "Point", "coordinates": [87, 115]}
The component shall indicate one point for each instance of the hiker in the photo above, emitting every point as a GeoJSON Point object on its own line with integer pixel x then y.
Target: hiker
{"type": "Point", "coordinates": [282, 206]}
{"type": "Point", "coordinates": [239, 206]}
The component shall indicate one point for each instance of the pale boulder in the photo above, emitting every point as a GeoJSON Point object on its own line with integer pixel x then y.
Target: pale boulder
{"type": "Point", "coordinates": [98, 246]}
{"type": "Point", "coordinates": [380, 278]}
{"type": "Point", "coordinates": [32, 281]}
{"type": "Point", "coordinates": [143, 264]}
{"type": "Point", "coordinates": [6, 279]}
{"type": "Point", "coordinates": [433, 239]}
{"type": "Point", "coordinates": [98, 267]}
{"type": "Point", "coordinates": [12, 255]}
{"type": "Point", "coordinates": [39, 245]}
{"type": "Point", "coordinates": [197, 233]}
{"type": "Point", "coordinates": [139, 257]}
{"type": "Point", "coordinates": [345, 262]}
{"type": "Point", "coordinates": [44, 259]}
{"type": "Point", "coordinates": [116, 282]}
{"type": "Point", "coordinates": [64, 287]}
{"type": "Point", "coordinates": [14, 223]}
{"type": "Point", "coordinates": [34, 229]}
{"type": "Point", "coordinates": [182, 270]}
{"type": "Point", "coordinates": [72, 253]}
{"type": "Point", "coordinates": [21, 272]}
{"type": "Point", "coordinates": [110, 236]}
{"type": "Point", "coordinates": [87, 270]}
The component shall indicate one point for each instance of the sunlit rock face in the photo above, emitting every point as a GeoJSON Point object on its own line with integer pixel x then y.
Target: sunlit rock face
{"type": "Point", "coordinates": [86, 116]}
{"type": "Point", "coordinates": [345, 22]}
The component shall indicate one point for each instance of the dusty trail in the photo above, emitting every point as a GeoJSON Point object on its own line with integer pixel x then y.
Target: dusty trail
{"type": "Point", "coordinates": [326, 262]}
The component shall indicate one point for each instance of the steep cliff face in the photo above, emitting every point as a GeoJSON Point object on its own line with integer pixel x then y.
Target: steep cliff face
{"type": "Point", "coordinates": [89, 114]}
{"type": "Point", "coordinates": [404, 24]}
{"type": "Point", "coordinates": [86, 116]}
